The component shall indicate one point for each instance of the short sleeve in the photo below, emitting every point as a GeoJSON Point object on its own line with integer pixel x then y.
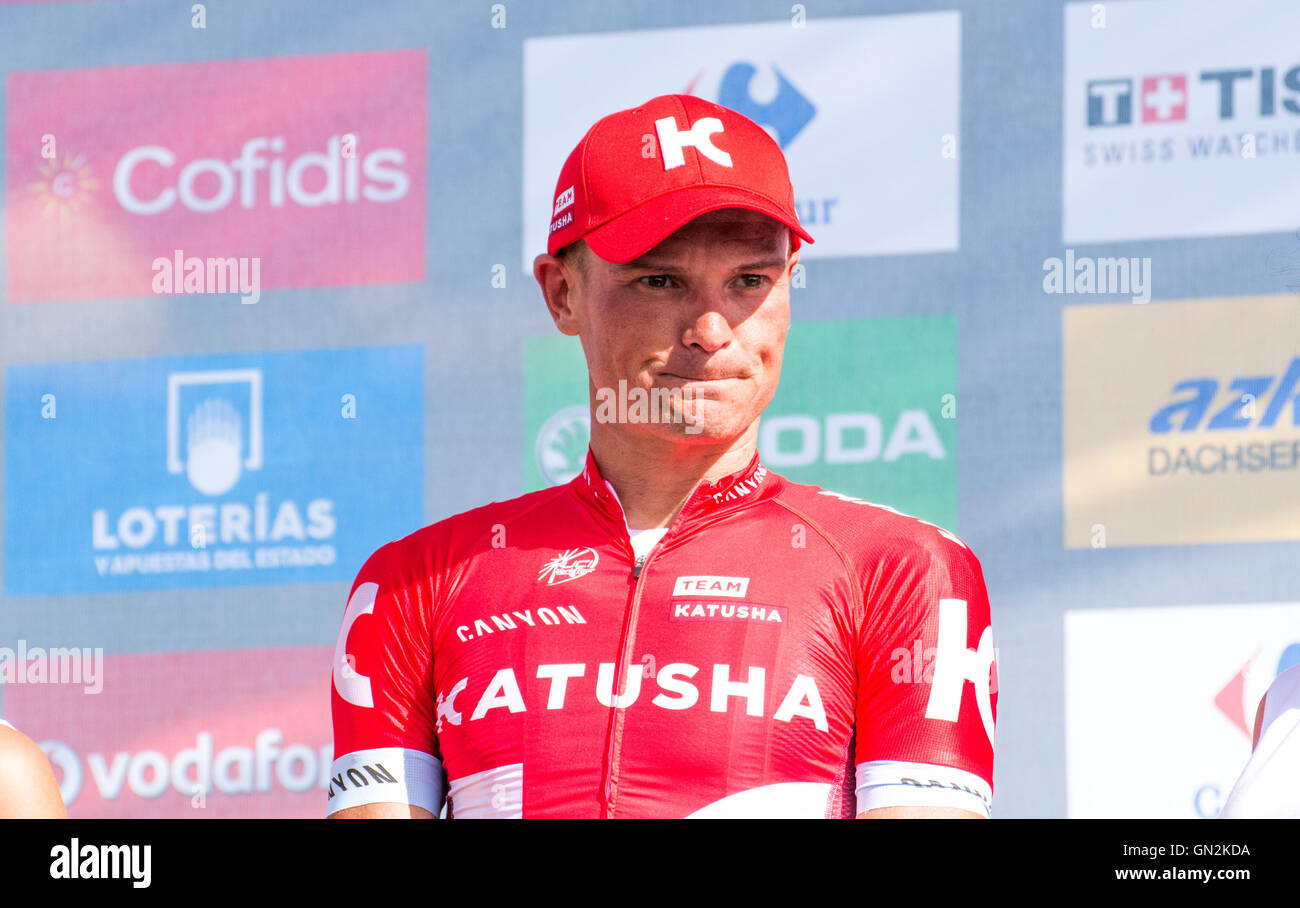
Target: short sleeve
{"type": "Point", "coordinates": [927, 690]}
{"type": "Point", "coordinates": [385, 744]}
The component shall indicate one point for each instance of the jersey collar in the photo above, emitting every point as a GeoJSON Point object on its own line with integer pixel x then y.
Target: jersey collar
{"type": "Point", "coordinates": [733, 492]}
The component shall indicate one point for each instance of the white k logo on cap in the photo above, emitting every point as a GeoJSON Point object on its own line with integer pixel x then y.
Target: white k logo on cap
{"type": "Point", "coordinates": [672, 141]}
{"type": "Point", "coordinates": [611, 195]}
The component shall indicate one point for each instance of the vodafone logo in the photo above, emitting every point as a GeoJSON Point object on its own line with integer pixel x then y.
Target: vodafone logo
{"type": "Point", "coordinates": [199, 770]}
{"type": "Point", "coordinates": [259, 176]}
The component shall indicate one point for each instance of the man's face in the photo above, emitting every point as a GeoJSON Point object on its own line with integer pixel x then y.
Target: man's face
{"type": "Point", "coordinates": [704, 315]}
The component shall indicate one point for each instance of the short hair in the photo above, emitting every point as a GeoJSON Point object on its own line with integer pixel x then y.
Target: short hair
{"type": "Point", "coordinates": [575, 256]}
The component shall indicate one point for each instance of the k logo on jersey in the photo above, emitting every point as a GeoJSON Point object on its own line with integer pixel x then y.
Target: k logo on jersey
{"type": "Point", "coordinates": [955, 664]}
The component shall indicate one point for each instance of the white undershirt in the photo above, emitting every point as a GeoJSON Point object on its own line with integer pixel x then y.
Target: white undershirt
{"type": "Point", "coordinates": [644, 540]}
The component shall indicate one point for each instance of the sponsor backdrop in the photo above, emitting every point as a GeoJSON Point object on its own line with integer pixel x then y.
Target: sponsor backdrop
{"type": "Point", "coordinates": [267, 304]}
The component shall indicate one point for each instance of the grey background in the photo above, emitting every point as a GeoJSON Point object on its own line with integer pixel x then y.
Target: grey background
{"type": "Point", "coordinates": [1009, 458]}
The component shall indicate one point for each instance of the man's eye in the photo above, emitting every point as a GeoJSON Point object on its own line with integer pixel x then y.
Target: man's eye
{"type": "Point", "coordinates": [753, 281]}
{"type": "Point", "coordinates": [657, 280]}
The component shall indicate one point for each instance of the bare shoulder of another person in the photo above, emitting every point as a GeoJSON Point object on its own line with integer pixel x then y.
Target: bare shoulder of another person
{"type": "Point", "coordinates": [28, 789]}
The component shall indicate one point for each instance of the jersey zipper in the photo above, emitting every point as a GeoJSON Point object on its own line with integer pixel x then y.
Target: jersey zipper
{"type": "Point", "coordinates": [614, 734]}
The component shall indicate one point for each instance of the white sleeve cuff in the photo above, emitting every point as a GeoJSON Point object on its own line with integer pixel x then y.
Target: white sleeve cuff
{"type": "Point", "coordinates": [386, 774]}
{"type": "Point", "coordinates": [894, 783]}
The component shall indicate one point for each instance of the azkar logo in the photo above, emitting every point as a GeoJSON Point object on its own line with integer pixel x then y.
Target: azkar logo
{"type": "Point", "coordinates": [1164, 98]}
{"type": "Point", "coordinates": [1250, 402]}
{"type": "Point", "coordinates": [568, 565]}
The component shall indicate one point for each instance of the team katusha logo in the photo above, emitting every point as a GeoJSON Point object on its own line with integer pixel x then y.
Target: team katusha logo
{"type": "Point", "coordinates": [561, 446]}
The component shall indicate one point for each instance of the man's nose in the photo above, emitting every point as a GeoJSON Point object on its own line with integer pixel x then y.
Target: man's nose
{"type": "Point", "coordinates": [709, 330]}
{"type": "Point", "coordinates": [708, 327]}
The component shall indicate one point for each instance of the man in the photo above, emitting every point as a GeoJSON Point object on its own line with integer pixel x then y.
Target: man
{"type": "Point", "coordinates": [678, 631]}
{"type": "Point", "coordinates": [1269, 787]}
{"type": "Point", "coordinates": [28, 789]}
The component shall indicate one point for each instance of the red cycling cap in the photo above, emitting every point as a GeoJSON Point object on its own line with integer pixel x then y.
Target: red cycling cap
{"type": "Point", "coordinates": [639, 174]}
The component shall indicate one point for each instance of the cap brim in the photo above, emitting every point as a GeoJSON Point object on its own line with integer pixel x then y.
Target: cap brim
{"type": "Point", "coordinates": [636, 232]}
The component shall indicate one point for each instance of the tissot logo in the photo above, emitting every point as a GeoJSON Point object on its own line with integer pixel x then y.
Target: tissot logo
{"type": "Point", "coordinates": [1225, 94]}
{"type": "Point", "coordinates": [1163, 99]}
{"type": "Point", "coordinates": [735, 587]}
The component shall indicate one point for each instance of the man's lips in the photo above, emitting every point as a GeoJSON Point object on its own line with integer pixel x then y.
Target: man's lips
{"type": "Point", "coordinates": [692, 378]}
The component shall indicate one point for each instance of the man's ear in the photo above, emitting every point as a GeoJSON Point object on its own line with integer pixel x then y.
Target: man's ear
{"type": "Point", "coordinates": [558, 282]}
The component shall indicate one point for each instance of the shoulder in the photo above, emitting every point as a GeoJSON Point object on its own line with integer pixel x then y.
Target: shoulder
{"type": "Point", "coordinates": [16, 748]}
{"type": "Point", "coordinates": [1285, 689]}
{"type": "Point", "coordinates": [870, 533]}
{"type": "Point", "coordinates": [458, 537]}
{"type": "Point", "coordinates": [1283, 694]}
{"type": "Point", "coordinates": [27, 784]}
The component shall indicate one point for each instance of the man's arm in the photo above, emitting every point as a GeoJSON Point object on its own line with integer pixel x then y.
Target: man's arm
{"type": "Point", "coordinates": [383, 810]}
{"type": "Point", "coordinates": [1259, 721]}
{"type": "Point", "coordinates": [927, 695]}
{"type": "Point", "coordinates": [386, 757]}
{"type": "Point", "coordinates": [919, 813]}
{"type": "Point", "coordinates": [28, 789]}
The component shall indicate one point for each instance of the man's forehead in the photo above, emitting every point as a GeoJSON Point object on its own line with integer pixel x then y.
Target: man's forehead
{"type": "Point", "coordinates": [738, 228]}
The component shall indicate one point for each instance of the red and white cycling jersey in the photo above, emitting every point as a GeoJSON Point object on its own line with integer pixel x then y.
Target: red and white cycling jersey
{"type": "Point", "coordinates": [782, 651]}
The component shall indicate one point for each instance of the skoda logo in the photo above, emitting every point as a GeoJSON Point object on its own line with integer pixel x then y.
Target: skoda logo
{"type": "Point", "coordinates": [561, 449]}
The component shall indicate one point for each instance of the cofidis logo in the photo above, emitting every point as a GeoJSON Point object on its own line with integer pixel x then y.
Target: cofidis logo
{"type": "Point", "coordinates": [1182, 422]}
{"type": "Point", "coordinates": [288, 160]}
{"type": "Point", "coordinates": [209, 471]}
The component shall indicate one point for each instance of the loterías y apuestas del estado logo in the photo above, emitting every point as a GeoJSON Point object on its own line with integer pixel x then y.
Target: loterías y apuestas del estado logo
{"type": "Point", "coordinates": [214, 439]}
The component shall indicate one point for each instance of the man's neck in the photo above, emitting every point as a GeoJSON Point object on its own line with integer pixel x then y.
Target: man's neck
{"type": "Point", "coordinates": [654, 477]}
